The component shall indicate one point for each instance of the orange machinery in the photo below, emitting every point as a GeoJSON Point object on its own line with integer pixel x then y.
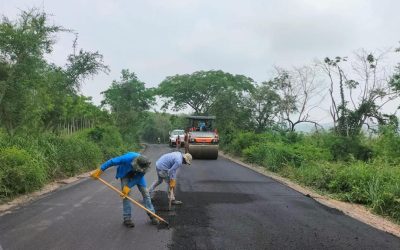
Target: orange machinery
{"type": "Point", "coordinates": [203, 137]}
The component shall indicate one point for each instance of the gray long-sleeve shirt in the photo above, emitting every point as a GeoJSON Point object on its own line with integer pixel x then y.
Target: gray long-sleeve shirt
{"type": "Point", "coordinates": [170, 163]}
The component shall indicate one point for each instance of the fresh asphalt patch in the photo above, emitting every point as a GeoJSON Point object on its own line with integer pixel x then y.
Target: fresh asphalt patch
{"type": "Point", "coordinates": [190, 220]}
{"type": "Point", "coordinates": [191, 225]}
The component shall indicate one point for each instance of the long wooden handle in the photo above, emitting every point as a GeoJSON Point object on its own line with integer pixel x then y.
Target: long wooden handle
{"type": "Point", "coordinates": [132, 200]}
{"type": "Point", "coordinates": [170, 199]}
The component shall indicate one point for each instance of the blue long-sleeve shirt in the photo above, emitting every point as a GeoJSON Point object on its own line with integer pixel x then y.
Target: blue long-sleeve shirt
{"type": "Point", "coordinates": [124, 167]}
{"type": "Point", "coordinates": [170, 163]}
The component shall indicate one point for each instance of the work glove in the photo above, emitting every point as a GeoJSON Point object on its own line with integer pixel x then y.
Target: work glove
{"type": "Point", "coordinates": [172, 183]}
{"type": "Point", "coordinates": [125, 191]}
{"type": "Point", "coordinates": [96, 174]}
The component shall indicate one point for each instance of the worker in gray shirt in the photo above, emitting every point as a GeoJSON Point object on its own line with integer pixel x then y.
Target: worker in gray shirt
{"type": "Point", "coordinates": [166, 168]}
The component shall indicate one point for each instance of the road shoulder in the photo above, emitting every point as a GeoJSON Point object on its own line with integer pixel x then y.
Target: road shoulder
{"type": "Point", "coordinates": [355, 211]}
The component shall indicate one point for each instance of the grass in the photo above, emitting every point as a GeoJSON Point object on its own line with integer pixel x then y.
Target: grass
{"type": "Point", "coordinates": [28, 162]}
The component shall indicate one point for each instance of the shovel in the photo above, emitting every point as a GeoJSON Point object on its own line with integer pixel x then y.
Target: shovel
{"type": "Point", "coordinates": [170, 199]}
{"type": "Point", "coordinates": [132, 200]}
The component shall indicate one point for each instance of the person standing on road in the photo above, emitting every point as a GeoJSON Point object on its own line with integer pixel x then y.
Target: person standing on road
{"type": "Point", "coordinates": [186, 141]}
{"type": "Point", "coordinates": [131, 169]}
{"type": "Point", "coordinates": [166, 168]}
{"type": "Point", "coordinates": [202, 126]}
{"type": "Point", "coordinates": [178, 142]}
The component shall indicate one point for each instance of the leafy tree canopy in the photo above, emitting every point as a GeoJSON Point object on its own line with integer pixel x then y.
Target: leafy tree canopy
{"type": "Point", "coordinates": [200, 89]}
{"type": "Point", "coordinates": [128, 100]}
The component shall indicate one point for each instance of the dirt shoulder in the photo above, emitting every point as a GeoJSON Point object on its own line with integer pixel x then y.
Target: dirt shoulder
{"type": "Point", "coordinates": [355, 211]}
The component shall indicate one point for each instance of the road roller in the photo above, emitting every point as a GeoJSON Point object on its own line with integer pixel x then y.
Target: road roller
{"type": "Point", "coordinates": [203, 137]}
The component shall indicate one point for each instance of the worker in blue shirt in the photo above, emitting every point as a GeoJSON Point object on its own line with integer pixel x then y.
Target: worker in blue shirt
{"type": "Point", "coordinates": [131, 169]}
{"type": "Point", "coordinates": [202, 126]}
{"type": "Point", "coordinates": [166, 168]}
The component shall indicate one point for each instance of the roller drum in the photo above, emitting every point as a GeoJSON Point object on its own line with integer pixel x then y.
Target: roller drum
{"type": "Point", "coordinates": [203, 151]}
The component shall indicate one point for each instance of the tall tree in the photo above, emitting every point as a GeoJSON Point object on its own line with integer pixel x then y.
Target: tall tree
{"type": "Point", "coordinates": [200, 89]}
{"type": "Point", "coordinates": [264, 104]}
{"type": "Point", "coordinates": [232, 111]}
{"type": "Point", "coordinates": [296, 89]}
{"type": "Point", "coordinates": [83, 65]}
{"type": "Point", "coordinates": [128, 99]}
{"type": "Point", "coordinates": [64, 84]}
{"type": "Point", "coordinates": [363, 89]}
{"type": "Point", "coordinates": [23, 44]}
{"type": "Point", "coordinates": [394, 81]}
{"type": "Point", "coordinates": [34, 93]}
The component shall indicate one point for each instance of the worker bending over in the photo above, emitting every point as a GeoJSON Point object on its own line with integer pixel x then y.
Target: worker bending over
{"type": "Point", "coordinates": [131, 170]}
{"type": "Point", "coordinates": [166, 168]}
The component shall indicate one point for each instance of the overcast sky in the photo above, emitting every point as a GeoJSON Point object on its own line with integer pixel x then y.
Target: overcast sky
{"type": "Point", "coordinates": [159, 38]}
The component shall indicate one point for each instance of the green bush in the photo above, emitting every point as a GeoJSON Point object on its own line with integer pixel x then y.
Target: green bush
{"type": "Point", "coordinates": [387, 146]}
{"type": "Point", "coordinates": [27, 162]}
{"type": "Point", "coordinates": [352, 182]}
{"type": "Point", "coordinates": [291, 137]}
{"type": "Point", "coordinates": [318, 175]}
{"type": "Point", "coordinates": [310, 152]}
{"type": "Point", "coordinates": [272, 155]}
{"type": "Point", "coordinates": [108, 139]}
{"type": "Point", "coordinates": [66, 155]}
{"type": "Point", "coordinates": [348, 148]}
{"type": "Point", "coordinates": [372, 184]}
{"type": "Point", "coordinates": [276, 150]}
{"type": "Point", "coordinates": [75, 155]}
{"type": "Point", "coordinates": [242, 141]}
{"type": "Point", "coordinates": [19, 172]}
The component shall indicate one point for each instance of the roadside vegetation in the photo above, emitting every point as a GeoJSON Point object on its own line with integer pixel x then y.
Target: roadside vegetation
{"type": "Point", "coordinates": [48, 130]}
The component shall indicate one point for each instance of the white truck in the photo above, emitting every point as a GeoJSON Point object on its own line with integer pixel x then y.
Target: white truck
{"type": "Point", "coordinates": [173, 136]}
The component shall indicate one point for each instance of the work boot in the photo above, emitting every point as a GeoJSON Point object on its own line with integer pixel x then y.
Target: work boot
{"type": "Point", "coordinates": [154, 221]}
{"type": "Point", "coordinates": [129, 223]}
{"type": "Point", "coordinates": [175, 202]}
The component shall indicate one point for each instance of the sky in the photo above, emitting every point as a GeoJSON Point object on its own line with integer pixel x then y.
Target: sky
{"type": "Point", "coordinates": [160, 38]}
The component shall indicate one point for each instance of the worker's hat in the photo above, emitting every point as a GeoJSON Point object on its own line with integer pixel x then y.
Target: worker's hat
{"type": "Point", "coordinates": [188, 158]}
{"type": "Point", "coordinates": [141, 164]}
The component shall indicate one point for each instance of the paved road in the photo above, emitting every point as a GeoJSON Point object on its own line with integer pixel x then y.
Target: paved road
{"type": "Point", "coordinates": [225, 206]}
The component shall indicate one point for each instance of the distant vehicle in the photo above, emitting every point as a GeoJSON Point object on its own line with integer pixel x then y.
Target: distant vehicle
{"type": "Point", "coordinates": [173, 136]}
{"type": "Point", "coordinates": [203, 137]}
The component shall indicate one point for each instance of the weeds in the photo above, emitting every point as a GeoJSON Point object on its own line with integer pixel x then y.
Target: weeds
{"type": "Point", "coordinates": [28, 162]}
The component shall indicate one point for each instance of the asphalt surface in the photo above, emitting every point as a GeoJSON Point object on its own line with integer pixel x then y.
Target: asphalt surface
{"type": "Point", "coordinates": [225, 206]}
